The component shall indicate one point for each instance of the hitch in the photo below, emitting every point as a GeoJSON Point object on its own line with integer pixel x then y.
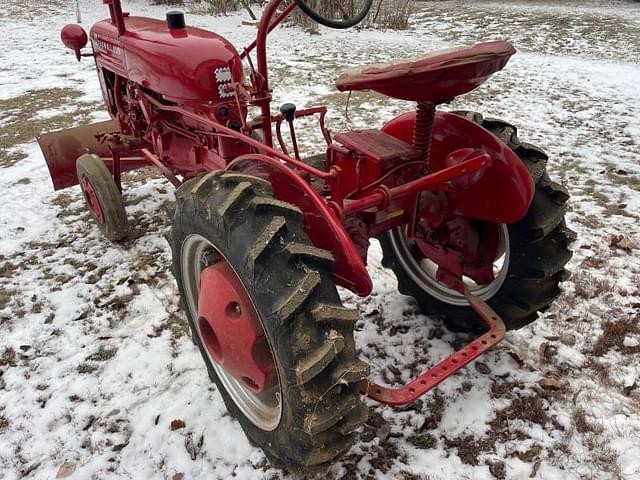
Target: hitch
{"type": "Point", "coordinates": [447, 367]}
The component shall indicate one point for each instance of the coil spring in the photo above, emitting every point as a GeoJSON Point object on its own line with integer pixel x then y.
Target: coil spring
{"type": "Point", "coordinates": [425, 115]}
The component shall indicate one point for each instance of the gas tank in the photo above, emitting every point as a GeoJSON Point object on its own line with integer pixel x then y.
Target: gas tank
{"type": "Point", "coordinates": [184, 64]}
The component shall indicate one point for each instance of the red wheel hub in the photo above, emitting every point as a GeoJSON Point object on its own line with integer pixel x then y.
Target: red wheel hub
{"type": "Point", "coordinates": [230, 328]}
{"type": "Point", "coordinates": [460, 246]}
{"type": "Point", "coordinates": [92, 199]}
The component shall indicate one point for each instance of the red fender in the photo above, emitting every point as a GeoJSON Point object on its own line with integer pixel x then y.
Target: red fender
{"type": "Point", "coordinates": [506, 189]}
{"type": "Point", "coordinates": [322, 225]}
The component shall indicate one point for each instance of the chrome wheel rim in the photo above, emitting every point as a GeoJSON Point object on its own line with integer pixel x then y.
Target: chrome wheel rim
{"type": "Point", "coordinates": [263, 409]}
{"type": "Point", "coordinates": [423, 271]}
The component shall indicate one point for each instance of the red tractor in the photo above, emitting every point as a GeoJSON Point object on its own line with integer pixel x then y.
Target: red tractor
{"type": "Point", "coordinates": [467, 217]}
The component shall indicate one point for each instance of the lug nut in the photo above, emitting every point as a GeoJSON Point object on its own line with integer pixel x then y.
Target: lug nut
{"type": "Point", "coordinates": [208, 258]}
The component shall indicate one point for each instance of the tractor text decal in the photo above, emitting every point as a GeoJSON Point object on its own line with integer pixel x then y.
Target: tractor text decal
{"type": "Point", "coordinates": [105, 44]}
{"type": "Point", "coordinates": [223, 79]}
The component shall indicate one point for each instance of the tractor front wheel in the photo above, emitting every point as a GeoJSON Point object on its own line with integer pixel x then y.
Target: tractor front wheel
{"type": "Point", "coordinates": [531, 260]}
{"type": "Point", "coordinates": [266, 315]}
{"type": "Point", "coordinates": [102, 196]}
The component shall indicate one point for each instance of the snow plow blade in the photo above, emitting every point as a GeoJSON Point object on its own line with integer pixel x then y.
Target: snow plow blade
{"type": "Point", "coordinates": [62, 148]}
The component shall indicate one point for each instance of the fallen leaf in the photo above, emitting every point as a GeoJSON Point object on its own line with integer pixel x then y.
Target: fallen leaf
{"type": "Point", "coordinates": [90, 421]}
{"type": "Point", "coordinates": [551, 383]}
{"type": "Point", "coordinates": [66, 469]}
{"type": "Point", "coordinates": [622, 242]}
{"type": "Point", "coordinates": [191, 448]}
{"type": "Point", "coordinates": [177, 424]}
{"type": "Point", "coordinates": [534, 470]}
{"type": "Point", "coordinates": [530, 454]}
{"type": "Point", "coordinates": [516, 358]}
{"type": "Point", "coordinates": [498, 470]}
{"type": "Point", "coordinates": [547, 351]}
{"type": "Point", "coordinates": [483, 368]}
{"type": "Point", "coordinates": [395, 370]}
{"type": "Point", "coordinates": [30, 469]}
{"type": "Point", "coordinates": [629, 388]}
{"type": "Point", "coordinates": [120, 446]}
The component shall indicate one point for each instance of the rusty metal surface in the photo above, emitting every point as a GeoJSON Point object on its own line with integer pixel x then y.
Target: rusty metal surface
{"type": "Point", "coordinates": [62, 148]}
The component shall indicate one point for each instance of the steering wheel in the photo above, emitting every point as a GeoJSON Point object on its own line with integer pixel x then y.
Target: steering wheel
{"type": "Point", "coordinates": [346, 21]}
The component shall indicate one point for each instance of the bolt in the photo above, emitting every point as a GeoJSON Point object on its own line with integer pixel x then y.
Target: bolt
{"type": "Point", "coordinates": [208, 258]}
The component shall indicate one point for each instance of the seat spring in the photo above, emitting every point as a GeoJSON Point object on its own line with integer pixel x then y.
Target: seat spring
{"type": "Point", "coordinates": [423, 129]}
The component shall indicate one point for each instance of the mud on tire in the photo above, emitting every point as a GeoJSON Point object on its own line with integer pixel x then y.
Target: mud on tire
{"type": "Point", "coordinates": [538, 248]}
{"type": "Point", "coordinates": [113, 224]}
{"type": "Point", "coordinates": [309, 330]}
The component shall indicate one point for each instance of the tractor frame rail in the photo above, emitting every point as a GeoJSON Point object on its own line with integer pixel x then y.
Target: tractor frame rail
{"type": "Point", "coordinates": [417, 387]}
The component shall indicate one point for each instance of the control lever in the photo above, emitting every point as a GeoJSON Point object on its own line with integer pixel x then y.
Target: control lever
{"type": "Point", "coordinates": [289, 112]}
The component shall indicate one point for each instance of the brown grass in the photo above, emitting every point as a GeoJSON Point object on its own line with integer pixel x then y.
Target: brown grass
{"type": "Point", "coordinates": [87, 368]}
{"type": "Point", "coordinates": [613, 334]}
{"type": "Point", "coordinates": [22, 123]}
{"type": "Point", "coordinates": [103, 354]}
{"type": "Point", "coordinates": [587, 286]}
{"type": "Point", "coordinates": [583, 424]}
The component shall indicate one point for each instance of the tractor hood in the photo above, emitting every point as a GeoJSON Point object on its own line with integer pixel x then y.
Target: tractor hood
{"type": "Point", "coordinates": [183, 64]}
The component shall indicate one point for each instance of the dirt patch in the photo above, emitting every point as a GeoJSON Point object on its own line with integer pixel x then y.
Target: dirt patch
{"type": "Point", "coordinates": [37, 111]}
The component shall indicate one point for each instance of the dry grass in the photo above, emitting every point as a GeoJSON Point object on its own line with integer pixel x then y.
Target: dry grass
{"type": "Point", "coordinates": [22, 123]}
{"type": "Point", "coordinates": [103, 354]}
{"type": "Point", "coordinates": [588, 286]}
{"type": "Point", "coordinates": [613, 335]}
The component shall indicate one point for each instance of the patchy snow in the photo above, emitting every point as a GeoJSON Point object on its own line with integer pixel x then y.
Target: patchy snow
{"type": "Point", "coordinates": [94, 359]}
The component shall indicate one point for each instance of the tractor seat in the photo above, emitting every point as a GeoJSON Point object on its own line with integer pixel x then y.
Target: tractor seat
{"type": "Point", "coordinates": [436, 77]}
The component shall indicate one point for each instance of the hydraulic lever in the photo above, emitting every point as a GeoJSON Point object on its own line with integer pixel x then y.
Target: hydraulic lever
{"type": "Point", "coordinates": [289, 112]}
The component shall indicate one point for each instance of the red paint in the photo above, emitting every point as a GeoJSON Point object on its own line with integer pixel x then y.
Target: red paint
{"type": "Point", "coordinates": [383, 197]}
{"type": "Point", "coordinates": [74, 38]}
{"type": "Point", "coordinates": [504, 193]}
{"type": "Point", "coordinates": [230, 328]}
{"type": "Point", "coordinates": [92, 200]}
{"type": "Point", "coordinates": [179, 65]}
{"type": "Point", "coordinates": [61, 150]}
{"type": "Point", "coordinates": [435, 78]}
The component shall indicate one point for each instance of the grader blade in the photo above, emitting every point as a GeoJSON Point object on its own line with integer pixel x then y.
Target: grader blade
{"type": "Point", "coordinates": [61, 149]}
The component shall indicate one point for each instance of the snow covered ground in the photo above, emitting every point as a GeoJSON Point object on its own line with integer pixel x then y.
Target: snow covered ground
{"type": "Point", "coordinates": [95, 360]}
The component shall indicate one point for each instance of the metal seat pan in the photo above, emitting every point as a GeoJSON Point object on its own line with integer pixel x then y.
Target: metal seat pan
{"type": "Point", "coordinates": [436, 77]}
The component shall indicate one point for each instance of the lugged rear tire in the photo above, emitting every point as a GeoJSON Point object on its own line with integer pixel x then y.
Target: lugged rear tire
{"type": "Point", "coordinates": [309, 330]}
{"type": "Point", "coordinates": [539, 249]}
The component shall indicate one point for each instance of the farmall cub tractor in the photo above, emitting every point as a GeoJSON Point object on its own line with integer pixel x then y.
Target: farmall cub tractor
{"type": "Point", "coordinates": [466, 215]}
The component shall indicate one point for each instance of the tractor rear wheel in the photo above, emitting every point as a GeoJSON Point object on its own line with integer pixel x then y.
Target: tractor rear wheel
{"type": "Point", "coordinates": [307, 413]}
{"type": "Point", "coordinates": [102, 196]}
{"type": "Point", "coordinates": [530, 269]}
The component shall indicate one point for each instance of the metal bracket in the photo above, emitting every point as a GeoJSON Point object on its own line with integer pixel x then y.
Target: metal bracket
{"type": "Point", "coordinates": [447, 367]}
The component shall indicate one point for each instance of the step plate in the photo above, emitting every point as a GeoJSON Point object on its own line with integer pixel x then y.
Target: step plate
{"type": "Point", "coordinates": [447, 367]}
